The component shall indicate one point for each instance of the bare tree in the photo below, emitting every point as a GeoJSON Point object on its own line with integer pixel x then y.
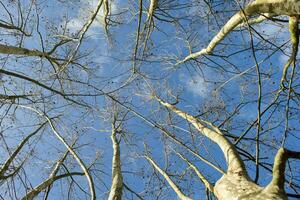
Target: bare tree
{"type": "Point", "coordinates": [149, 99]}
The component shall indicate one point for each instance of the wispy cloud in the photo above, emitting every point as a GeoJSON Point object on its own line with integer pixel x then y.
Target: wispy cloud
{"type": "Point", "coordinates": [196, 85]}
{"type": "Point", "coordinates": [85, 11]}
{"type": "Point", "coordinates": [283, 59]}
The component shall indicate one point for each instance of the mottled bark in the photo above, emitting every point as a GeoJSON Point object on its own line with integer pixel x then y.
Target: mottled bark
{"type": "Point", "coordinates": [282, 156]}
{"type": "Point", "coordinates": [236, 184]}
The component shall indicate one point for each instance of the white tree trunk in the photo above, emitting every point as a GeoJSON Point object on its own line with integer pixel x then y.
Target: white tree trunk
{"type": "Point", "coordinates": [235, 184]}
{"type": "Point", "coordinates": [117, 178]}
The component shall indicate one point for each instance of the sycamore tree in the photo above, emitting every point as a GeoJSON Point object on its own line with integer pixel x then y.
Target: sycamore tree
{"type": "Point", "coordinates": [149, 99]}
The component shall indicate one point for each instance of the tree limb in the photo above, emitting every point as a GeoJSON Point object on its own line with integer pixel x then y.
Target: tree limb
{"type": "Point", "coordinates": [281, 157]}
{"type": "Point", "coordinates": [7, 49]}
{"type": "Point", "coordinates": [7, 163]}
{"type": "Point", "coordinates": [279, 7]}
{"type": "Point", "coordinates": [207, 184]}
{"type": "Point", "coordinates": [168, 179]}
{"type": "Point", "coordinates": [234, 162]}
{"type": "Point", "coordinates": [34, 192]}
{"type": "Point", "coordinates": [70, 149]}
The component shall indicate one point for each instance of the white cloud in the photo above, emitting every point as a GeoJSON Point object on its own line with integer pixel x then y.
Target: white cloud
{"type": "Point", "coordinates": [84, 13]}
{"type": "Point", "coordinates": [196, 85]}
{"type": "Point", "coordinates": [282, 60]}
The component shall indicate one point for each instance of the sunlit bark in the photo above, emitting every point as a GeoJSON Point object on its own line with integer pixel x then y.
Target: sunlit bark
{"type": "Point", "coordinates": [234, 162]}
{"type": "Point", "coordinates": [117, 178]}
{"type": "Point", "coordinates": [168, 179]}
{"type": "Point", "coordinates": [270, 7]}
{"type": "Point", "coordinates": [236, 184]}
{"type": "Point", "coordinates": [38, 189]}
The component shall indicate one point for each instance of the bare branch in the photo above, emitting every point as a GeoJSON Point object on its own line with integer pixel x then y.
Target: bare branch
{"type": "Point", "coordinates": [207, 184]}
{"type": "Point", "coordinates": [78, 159]}
{"type": "Point", "coordinates": [34, 192]}
{"type": "Point", "coordinates": [279, 7]}
{"type": "Point", "coordinates": [7, 163]}
{"type": "Point", "coordinates": [83, 31]}
{"type": "Point", "coordinates": [168, 179]}
{"type": "Point", "coordinates": [7, 49]}
{"type": "Point", "coordinates": [234, 162]}
{"type": "Point", "coordinates": [257, 20]}
{"type": "Point", "coordinates": [65, 96]}
{"type": "Point", "coordinates": [294, 32]}
{"type": "Point", "coordinates": [12, 27]}
{"type": "Point", "coordinates": [166, 133]}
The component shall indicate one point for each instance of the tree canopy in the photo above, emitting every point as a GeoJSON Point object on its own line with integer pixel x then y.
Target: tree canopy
{"type": "Point", "coordinates": [149, 99]}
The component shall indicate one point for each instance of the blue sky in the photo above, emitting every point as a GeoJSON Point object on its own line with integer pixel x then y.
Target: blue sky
{"type": "Point", "coordinates": [212, 88]}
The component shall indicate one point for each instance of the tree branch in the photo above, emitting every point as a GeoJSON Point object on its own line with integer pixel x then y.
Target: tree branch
{"type": "Point", "coordinates": [294, 32]}
{"type": "Point", "coordinates": [281, 7]}
{"type": "Point", "coordinates": [65, 96]}
{"type": "Point", "coordinates": [168, 179]}
{"type": "Point", "coordinates": [7, 49]}
{"type": "Point", "coordinates": [207, 184]}
{"type": "Point", "coordinates": [7, 163]}
{"type": "Point", "coordinates": [70, 149]}
{"type": "Point", "coordinates": [279, 167]}
{"type": "Point", "coordinates": [234, 162]}
{"type": "Point", "coordinates": [12, 27]}
{"type": "Point", "coordinates": [34, 192]}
